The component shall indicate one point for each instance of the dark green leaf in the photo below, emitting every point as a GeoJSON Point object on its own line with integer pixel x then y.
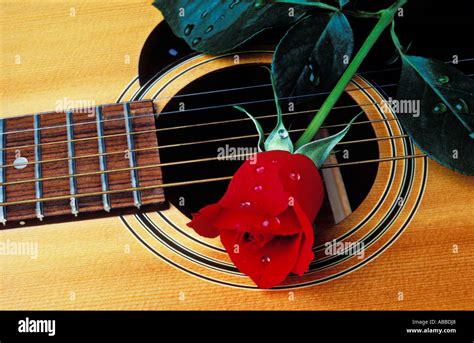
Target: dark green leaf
{"type": "Point", "coordinates": [212, 26]}
{"type": "Point", "coordinates": [261, 135]}
{"type": "Point", "coordinates": [343, 3]}
{"type": "Point", "coordinates": [312, 55]}
{"type": "Point", "coordinates": [444, 127]}
{"type": "Point", "coordinates": [318, 151]}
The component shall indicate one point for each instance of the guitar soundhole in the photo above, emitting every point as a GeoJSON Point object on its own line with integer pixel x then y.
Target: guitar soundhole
{"type": "Point", "coordinates": [199, 103]}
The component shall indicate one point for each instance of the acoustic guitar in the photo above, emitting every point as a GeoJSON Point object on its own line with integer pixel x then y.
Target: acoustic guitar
{"type": "Point", "coordinates": [129, 132]}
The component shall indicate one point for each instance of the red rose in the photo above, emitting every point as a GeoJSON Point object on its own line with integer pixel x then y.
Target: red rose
{"type": "Point", "coordinates": [265, 218]}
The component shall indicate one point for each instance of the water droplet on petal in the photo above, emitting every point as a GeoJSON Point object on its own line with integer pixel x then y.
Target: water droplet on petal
{"type": "Point", "coordinates": [266, 223]}
{"type": "Point", "coordinates": [188, 29]}
{"type": "Point", "coordinates": [274, 161]}
{"type": "Point", "coordinates": [295, 176]}
{"type": "Point", "coordinates": [260, 170]}
{"type": "Point", "coordinates": [283, 133]}
{"type": "Point", "coordinates": [461, 106]}
{"type": "Point", "coordinates": [196, 41]}
{"type": "Point", "coordinates": [439, 108]}
{"type": "Point", "coordinates": [277, 221]}
{"type": "Point", "coordinates": [265, 259]}
{"type": "Point", "coordinates": [258, 188]}
{"type": "Point", "coordinates": [209, 29]}
{"type": "Point", "coordinates": [245, 204]}
{"type": "Point", "coordinates": [443, 79]}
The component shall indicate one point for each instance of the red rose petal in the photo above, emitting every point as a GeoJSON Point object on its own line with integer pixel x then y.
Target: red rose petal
{"type": "Point", "coordinates": [203, 221]}
{"type": "Point", "coordinates": [301, 179]}
{"type": "Point", "coordinates": [305, 255]}
{"type": "Point", "coordinates": [257, 185]}
{"type": "Point", "coordinates": [267, 266]}
{"type": "Point", "coordinates": [284, 224]}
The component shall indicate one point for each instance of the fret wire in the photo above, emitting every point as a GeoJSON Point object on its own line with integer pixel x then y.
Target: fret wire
{"type": "Point", "coordinates": [102, 160]}
{"type": "Point", "coordinates": [191, 182]}
{"type": "Point", "coordinates": [3, 194]}
{"type": "Point", "coordinates": [38, 169]}
{"type": "Point", "coordinates": [71, 152]}
{"type": "Point", "coordinates": [167, 164]}
{"type": "Point", "coordinates": [131, 155]}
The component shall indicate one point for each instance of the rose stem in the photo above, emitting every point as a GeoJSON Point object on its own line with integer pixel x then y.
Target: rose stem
{"type": "Point", "coordinates": [386, 17]}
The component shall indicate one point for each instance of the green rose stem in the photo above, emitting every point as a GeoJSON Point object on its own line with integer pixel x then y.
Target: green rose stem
{"type": "Point", "coordinates": [386, 17]}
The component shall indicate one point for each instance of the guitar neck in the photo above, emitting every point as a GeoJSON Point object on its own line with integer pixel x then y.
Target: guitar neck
{"type": "Point", "coordinates": [79, 161]}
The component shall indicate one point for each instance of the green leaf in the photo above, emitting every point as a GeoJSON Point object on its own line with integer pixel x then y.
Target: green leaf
{"type": "Point", "coordinates": [212, 26]}
{"type": "Point", "coordinates": [261, 135]}
{"type": "Point", "coordinates": [443, 128]}
{"type": "Point", "coordinates": [343, 3]}
{"type": "Point", "coordinates": [311, 3]}
{"type": "Point", "coordinates": [318, 151]}
{"type": "Point", "coordinates": [313, 55]}
{"type": "Point", "coordinates": [279, 138]}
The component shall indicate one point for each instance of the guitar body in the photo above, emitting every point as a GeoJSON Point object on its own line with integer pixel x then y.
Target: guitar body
{"type": "Point", "coordinates": [416, 220]}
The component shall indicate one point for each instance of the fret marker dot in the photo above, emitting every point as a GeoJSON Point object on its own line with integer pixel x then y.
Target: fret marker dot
{"type": "Point", "coordinates": [20, 162]}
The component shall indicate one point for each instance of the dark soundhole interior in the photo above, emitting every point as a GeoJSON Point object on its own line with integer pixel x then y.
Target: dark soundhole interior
{"type": "Point", "coordinates": [210, 106]}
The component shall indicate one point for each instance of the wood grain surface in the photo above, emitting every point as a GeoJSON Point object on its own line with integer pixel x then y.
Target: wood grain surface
{"type": "Point", "coordinates": [54, 161]}
{"type": "Point", "coordinates": [48, 54]}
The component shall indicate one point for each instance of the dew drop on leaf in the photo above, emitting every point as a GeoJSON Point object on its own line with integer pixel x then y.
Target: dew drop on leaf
{"type": "Point", "coordinates": [283, 133]}
{"type": "Point", "coordinates": [440, 108]}
{"type": "Point", "coordinates": [313, 77]}
{"type": "Point", "coordinates": [196, 41]}
{"type": "Point", "coordinates": [233, 4]}
{"type": "Point", "coordinates": [209, 29]}
{"type": "Point", "coordinates": [204, 14]}
{"type": "Point", "coordinates": [259, 4]}
{"type": "Point", "coordinates": [442, 80]}
{"type": "Point", "coordinates": [188, 29]}
{"type": "Point", "coordinates": [461, 106]}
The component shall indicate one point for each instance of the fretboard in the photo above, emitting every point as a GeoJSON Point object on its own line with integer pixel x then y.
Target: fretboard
{"type": "Point", "coordinates": [77, 162]}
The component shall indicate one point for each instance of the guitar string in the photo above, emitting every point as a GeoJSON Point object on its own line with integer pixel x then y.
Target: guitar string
{"type": "Point", "coordinates": [166, 164]}
{"type": "Point", "coordinates": [157, 130]}
{"type": "Point", "coordinates": [184, 162]}
{"type": "Point", "coordinates": [121, 118]}
{"type": "Point", "coordinates": [219, 91]}
{"type": "Point", "coordinates": [143, 131]}
{"type": "Point", "coordinates": [214, 158]}
{"type": "Point", "coordinates": [191, 182]}
{"type": "Point", "coordinates": [197, 125]}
